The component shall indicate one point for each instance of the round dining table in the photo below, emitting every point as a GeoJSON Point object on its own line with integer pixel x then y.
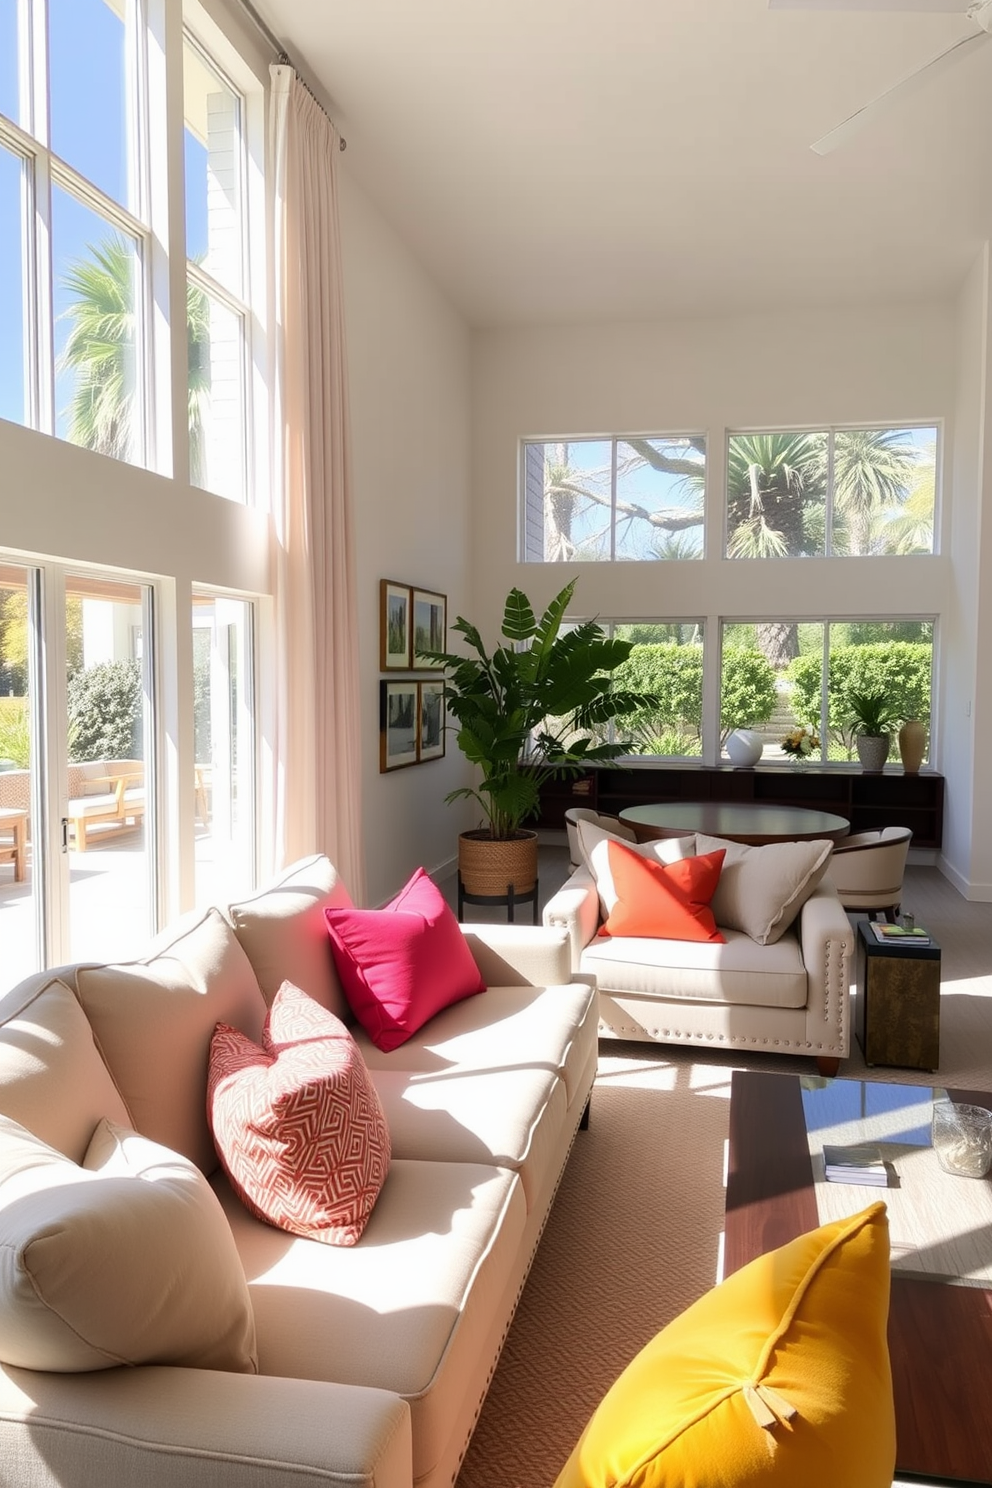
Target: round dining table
{"type": "Point", "coordinates": [744, 821]}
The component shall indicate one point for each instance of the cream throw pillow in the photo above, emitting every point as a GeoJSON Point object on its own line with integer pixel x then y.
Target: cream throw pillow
{"type": "Point", "coordinates": [283, 932]}
{"type": "Point", "coordinates": [153, 1020]}
{"type": "Point", "coordinates": [593, 842]}
{"type": "Point", "coordinates": [762, 889]}
{"type": "Point", "coordinates": [125, 1260]}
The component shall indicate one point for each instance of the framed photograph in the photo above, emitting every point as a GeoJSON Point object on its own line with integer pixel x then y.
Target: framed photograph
{"type": "Point", "coordinates": [394, 626]}
{"type": "Point", "coordinates": [399, 724]}
{"type": "Point", "coordinates": [430, 626]}
{"type": "Point", "coordinates": [430, 742]}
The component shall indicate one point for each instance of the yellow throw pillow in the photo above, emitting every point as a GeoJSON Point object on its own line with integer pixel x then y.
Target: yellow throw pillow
{"type": "Point", "coordinates": [778, 1377]}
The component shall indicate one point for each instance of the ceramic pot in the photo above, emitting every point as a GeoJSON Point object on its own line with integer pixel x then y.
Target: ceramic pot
{"type": "Point", "coordinates": [744, 747]}
{"type": "Point", "coordinates": [912, 745]}
{"type": "Point", "coordinates": [873, 751]}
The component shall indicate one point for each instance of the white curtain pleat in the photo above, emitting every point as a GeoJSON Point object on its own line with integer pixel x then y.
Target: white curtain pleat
{"type": "Point", "coordinates": [318, 728]}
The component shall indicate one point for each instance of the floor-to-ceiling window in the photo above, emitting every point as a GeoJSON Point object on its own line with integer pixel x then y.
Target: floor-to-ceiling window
{"type": "Point", "coordinates": [107, 350]}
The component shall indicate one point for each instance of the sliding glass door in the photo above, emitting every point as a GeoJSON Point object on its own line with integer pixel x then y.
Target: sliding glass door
{"type": "Point", "coordinates": [77, 779]}
{"type": "Point", "coordinates": [109, 783]}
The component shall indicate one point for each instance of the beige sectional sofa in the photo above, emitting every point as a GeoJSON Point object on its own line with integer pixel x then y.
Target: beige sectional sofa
{"type": "Point", "coordinates": [373, 1360]}
{"type": "Point", "coordinates": [774, 990]}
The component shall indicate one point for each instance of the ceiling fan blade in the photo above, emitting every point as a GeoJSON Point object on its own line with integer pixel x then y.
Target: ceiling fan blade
{"type": "Point", "coordinates": [902, 89]}
{"type": "Point", "coordinates": [949, 7]}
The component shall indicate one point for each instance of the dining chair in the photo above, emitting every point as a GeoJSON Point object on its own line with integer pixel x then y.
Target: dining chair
{"type": "Point", "coordinates": [867, 871]}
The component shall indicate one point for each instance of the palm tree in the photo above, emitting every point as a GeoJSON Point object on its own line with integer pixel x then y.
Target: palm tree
{"type": "Point", "coordinates": [872, 472]}
{"type": "Point", "coordinates": [776, 485]}
{"type": "Point", "coordinates": [100, 350]}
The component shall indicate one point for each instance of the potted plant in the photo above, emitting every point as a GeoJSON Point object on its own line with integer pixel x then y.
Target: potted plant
{"type": "Point", "coordinates": [525, 712]}
{"type": "Point", "coordinates": [871, 719]}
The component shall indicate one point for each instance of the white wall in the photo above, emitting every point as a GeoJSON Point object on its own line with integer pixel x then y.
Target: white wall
{"type": "Point", "coordinates": [909, 363]}
{"type": "Point", "coordinates": [409, 370]}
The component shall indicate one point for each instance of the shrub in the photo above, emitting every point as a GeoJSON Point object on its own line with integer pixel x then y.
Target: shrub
{"type": "Point", "coordinates": [15, 738]}
{"type": "Point", "coordinates": [105, 712]}
{"type": "Point", "coordinates": [747, 694]}
{"type": "Point", "coordinates": [901, 670]}
{"type": "Point", "coordinates": [673, 675]}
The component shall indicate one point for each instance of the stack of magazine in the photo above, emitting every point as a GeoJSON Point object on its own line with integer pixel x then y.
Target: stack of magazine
{"type": "Point", "coordinates": [854, 1165]}
{"type": "Point", "coordinates": [887, 934]}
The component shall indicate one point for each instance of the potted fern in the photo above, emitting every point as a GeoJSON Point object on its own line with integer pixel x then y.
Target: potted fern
{"type": "Point", "coordinates": [527, 710]}
{"type": "Point", "coordinates": [871, 719]}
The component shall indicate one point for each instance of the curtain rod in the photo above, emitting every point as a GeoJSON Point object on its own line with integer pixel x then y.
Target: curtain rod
{"type": "Point", "coordinates": [284, 59]}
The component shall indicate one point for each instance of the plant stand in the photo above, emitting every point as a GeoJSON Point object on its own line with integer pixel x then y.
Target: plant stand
{"type": "Point", "coordinates": [511, 899]}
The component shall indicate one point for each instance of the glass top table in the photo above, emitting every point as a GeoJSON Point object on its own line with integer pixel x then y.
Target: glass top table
{"type": "Point", "coordinates": [940, 1311]}
{"type": "Point", "coordinates": [745, 821]}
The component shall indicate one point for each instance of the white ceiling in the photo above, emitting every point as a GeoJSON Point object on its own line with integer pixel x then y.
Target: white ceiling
{"type": "Point", "coordinates": [571, 160]}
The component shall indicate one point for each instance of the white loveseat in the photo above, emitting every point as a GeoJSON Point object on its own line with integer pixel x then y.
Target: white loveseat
{"type": "Point", "coordinates": [373, 1360]}
{"type": "Point", "coordinates": [790, 995]}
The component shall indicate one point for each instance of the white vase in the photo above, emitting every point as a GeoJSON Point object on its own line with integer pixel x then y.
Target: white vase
{"type": "Point", "coordinates": [744, 747]}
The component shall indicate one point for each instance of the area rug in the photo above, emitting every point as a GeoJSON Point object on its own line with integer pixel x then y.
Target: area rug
{"type": "Point", "coordinates": [635, 1233]}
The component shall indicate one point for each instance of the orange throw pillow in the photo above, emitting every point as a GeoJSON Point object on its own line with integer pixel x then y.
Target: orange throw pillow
{"type": "Point", "coordinates": [669, 901]}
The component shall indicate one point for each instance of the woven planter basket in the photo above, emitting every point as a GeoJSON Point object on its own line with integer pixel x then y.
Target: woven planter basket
{"type": "Point", "coordinates": [488, 866]}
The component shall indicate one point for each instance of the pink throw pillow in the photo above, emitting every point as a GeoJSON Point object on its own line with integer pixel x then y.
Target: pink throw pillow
{"type": "Point", "coordinates": [298, 1124]}
{"type": "Point", "coordinates": [402, 964]}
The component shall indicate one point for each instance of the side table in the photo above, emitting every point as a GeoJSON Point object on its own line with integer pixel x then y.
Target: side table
{"type": "Point", "coordinates": [897, 1012]}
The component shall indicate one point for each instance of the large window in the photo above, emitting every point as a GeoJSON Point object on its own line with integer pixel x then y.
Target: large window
{"type": "Point", "coordinates": [782, 677]}
{"type": "Point", "coordinates": [84, 284]}
{"type": "Point", "coordinates": [613, 500]}
{"type": "Point", "coordinates": [855, 492]}
{"type": "Point", "coordinates": [75, 223]}
{"type": "Point", "coordinates": [217, 275]}
{"type": "Point", "coordinates": [224, 721]}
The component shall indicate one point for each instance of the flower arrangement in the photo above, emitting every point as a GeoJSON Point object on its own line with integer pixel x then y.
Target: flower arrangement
{"type": "Point", "coordinates": [801, 743]}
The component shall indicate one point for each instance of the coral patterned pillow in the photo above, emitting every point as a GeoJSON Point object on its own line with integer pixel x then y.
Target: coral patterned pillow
{"type": "Point", "coordinates": [298, 1124]}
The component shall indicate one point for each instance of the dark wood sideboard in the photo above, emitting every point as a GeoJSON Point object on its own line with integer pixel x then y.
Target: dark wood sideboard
{"type": "Point", "coordinates": [892, 799]}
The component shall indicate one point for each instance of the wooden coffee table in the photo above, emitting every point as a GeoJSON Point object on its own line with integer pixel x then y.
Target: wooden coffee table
{"type": "Point", "coordinates": [940, 1335]}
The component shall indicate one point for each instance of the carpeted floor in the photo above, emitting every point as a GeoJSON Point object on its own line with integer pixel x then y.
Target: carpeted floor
{"type": "Point", "coordinates": [634, 1234]}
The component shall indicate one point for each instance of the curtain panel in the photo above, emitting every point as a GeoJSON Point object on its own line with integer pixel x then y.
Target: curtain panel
{"type": "Point", "coordinates": [318, 734]}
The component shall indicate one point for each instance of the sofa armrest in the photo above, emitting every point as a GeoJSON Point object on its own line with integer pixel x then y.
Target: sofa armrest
{"type": "Point", "coordinates": [827, 942]}
{"type": "Point", "coordinates": [158, 1426]}
{"type": "Point", "coordinates": [519, 955]}
{"type": "Point", "coordinates": [575, 909]}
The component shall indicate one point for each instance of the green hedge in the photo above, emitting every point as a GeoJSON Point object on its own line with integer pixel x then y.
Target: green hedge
{"type": "Point", "coordinates": [674, 675]}
{"type": "Point", "coordinates": [899, 669]}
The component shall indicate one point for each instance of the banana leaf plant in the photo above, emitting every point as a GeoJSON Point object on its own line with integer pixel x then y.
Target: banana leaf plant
{"type": "Point", "coordinates": [535, 707]}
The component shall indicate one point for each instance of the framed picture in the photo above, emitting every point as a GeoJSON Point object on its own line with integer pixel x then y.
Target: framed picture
{"type": "Point", "coordinates": [430, 742]}
{"type": "Point", "coordinates": [394, 626]}
{"type": "Point", "coordinates": [430, 626]}
{"type": "Point", "coordinates": [399, 724]}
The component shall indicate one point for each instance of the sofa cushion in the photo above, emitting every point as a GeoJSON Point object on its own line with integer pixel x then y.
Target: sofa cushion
{"type": "Point", "coordinates": [52, 1078]}
{"type": "Point", "coordinates": [595, 844]}
{"type": "Point", "coordinates": [153, 1020]}
{"type": "Point", "coordinates": [510, 1028]}
{"type": "Point", "coordinates": [126, 1259]}
{"type": "Point", "coordinates": [402, 964]}
{"type": "Point", "coordinates": [512, 1118]}
{"type": "Point", "coordinates": [283, 933]}
{"type": "Point", "coordinates": [410, 1307]}
{"type": "Point", "coordinates": [668, 900]}
{"type": "Point", "coordinates": [740, 971]}
{"type": "Point", "coordinates": [762, 889]}
{"type": "Point", "coordinates": [779, 1376]}
{"type": "Point", "coordinates": [298, 1125]}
